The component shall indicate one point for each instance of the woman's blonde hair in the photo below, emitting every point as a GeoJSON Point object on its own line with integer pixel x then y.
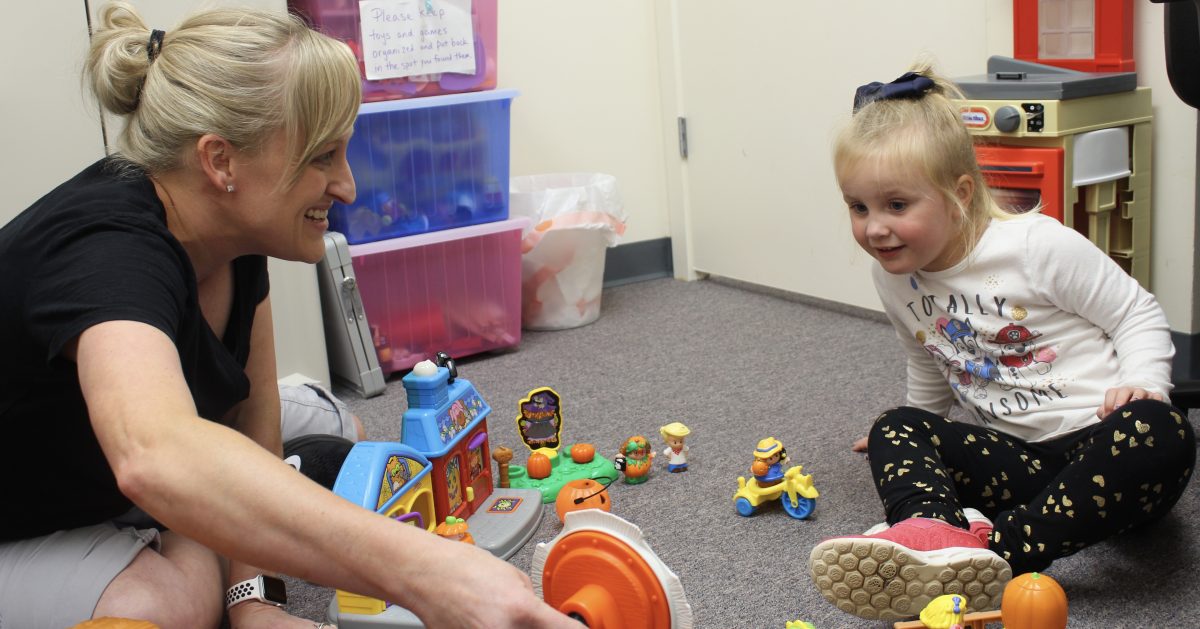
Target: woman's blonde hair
{"type": "Point", "coordinates": [925, 134]}
{"type": "Point", "coordinates": [237, 73]}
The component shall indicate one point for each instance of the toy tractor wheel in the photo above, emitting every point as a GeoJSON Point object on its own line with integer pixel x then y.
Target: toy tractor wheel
{"type": "Point", "coordinates": [803, 509]}
{"type": "Point", "coordinates": [744, 508]}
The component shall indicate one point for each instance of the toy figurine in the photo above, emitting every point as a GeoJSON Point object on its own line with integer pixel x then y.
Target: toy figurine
{"type": "Point", "coordinates": [768, 462]}
{"type": "Point", "coordinates": [945, 612]}
{"type": "Point", "coordinates": [540, 425]}
{"type": "Point", "coordinates": [673, 434]}
{"type": "Point", "coordinates": [455, 529]}
{"type": "Point", "coordinates": [634, 459]}
{"type": "Point", "coordinates": [770, 482]}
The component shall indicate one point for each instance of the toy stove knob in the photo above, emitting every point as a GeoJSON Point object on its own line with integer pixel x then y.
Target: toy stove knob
{"type": "Point", "coordinates": [1008, 119]}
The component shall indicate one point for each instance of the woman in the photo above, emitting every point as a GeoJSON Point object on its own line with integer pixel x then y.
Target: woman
{"type": "Point", "coordinates": [136, 324]}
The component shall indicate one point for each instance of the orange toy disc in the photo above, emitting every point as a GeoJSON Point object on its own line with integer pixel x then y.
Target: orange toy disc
{"type": "Point", "coordinates": [585, 561]}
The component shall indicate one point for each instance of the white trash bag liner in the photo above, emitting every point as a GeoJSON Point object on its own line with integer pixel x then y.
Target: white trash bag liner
{"type": "Point", "coordinates": [574, 217]}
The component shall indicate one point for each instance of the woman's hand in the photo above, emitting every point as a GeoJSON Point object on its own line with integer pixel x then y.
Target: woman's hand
{"type": "Point", "coordinates": [475, 589]}
{"type": "Point", "coordinates": [860, 445]}
{"type": "Point", "coordinates": [1117, 397]}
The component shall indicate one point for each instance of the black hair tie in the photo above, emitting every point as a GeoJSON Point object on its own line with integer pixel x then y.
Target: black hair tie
{"type": "Point", "coordinates": [155, 45]}
{"type": "Point", "coordinates": [909, 85]}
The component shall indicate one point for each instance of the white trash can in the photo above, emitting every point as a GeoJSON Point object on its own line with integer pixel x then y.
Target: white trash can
{"type": "Point", "coordinates": [574, 218]}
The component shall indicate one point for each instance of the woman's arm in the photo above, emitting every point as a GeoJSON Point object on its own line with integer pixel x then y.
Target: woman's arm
{"type": "Point", "coordinates": [257, 416]}
{"type": "Point", "coordinates": [220, 488]}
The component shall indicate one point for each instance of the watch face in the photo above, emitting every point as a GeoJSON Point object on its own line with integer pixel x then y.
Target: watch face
{"type": "Point", "coordinates": [274, 590]}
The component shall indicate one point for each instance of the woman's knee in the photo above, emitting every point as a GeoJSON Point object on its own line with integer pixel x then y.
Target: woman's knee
{"type": "Point", "coordinates": [179, 587]}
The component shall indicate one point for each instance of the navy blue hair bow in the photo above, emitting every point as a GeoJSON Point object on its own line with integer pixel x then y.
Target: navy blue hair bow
{"type": "Point", "coordinates": [909, 85]}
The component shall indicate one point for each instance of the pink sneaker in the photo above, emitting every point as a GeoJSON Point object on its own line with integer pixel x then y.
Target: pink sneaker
{"type": "Point", "coordinates": [981, 526]}
{"type": "Point", "coordinates": [894, 574]}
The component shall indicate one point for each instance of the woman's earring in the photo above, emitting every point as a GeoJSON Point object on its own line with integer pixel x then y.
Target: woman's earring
{"type": "Point", "coordinates": [229, 187]}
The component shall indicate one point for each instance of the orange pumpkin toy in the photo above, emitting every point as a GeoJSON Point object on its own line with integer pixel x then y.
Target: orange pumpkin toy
{"type": "Point", "coordinates": [580, 494]}
{"type": "Point", "coordinates": [583, 453]}
{"type": "Point", "coordinates": [538, 466]}
{"type": "Point", "coordinates": [1034, 601]}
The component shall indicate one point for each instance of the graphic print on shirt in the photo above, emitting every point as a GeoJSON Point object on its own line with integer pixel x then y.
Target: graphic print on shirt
{"type": "Point", "coordinates": [1011, 355]}
{"type": "Point", "coordinates": [1021, 360]}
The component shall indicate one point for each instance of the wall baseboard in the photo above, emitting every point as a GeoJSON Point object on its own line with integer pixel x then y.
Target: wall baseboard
{"type": "Point", "coordinates": [638, 262]}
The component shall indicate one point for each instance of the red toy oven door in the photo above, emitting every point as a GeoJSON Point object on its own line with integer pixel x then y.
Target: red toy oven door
{"type": "Point", "coordinates": [1022, 177]}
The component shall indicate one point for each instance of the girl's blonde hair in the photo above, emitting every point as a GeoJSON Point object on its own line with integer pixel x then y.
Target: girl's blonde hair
{"type": "Point", "coordinates": [926, 135]}
{"type": "Point", "coordinates": [237, 73]}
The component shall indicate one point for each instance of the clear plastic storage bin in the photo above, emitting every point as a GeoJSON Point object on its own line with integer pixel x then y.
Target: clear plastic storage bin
{"type": "Point", "coordinates": [457, 291]}
{"type": "Point", "coordinates": [427, 164]}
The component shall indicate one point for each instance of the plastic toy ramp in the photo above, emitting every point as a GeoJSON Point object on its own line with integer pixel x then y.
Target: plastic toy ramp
{"type": "Point", "coordinates": [600, 571]}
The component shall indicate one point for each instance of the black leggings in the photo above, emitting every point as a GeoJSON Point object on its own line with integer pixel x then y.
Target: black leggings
{"type": "Point", "coordinates": [1047, 500]}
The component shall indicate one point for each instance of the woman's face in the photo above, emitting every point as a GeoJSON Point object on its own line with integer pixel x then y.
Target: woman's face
{"type": "Point", "coordinates": [290, 222]}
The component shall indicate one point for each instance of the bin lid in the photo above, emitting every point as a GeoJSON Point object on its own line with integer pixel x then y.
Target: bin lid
{"type": "Point", "coordinates": [1009, 78]}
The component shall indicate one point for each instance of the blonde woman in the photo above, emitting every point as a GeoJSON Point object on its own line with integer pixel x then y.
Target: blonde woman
{"type": "Point", "coordinates": [137, 377]}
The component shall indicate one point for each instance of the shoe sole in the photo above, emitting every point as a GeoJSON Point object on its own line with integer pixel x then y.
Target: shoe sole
{"type": "Point", "coordinates": [881, 580]}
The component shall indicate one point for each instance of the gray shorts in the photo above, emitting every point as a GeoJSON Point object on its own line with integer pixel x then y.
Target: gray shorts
{"type": "Point", "coordinates": [309, 409]}
{"type": "Point", "coordinates": [56, 580]}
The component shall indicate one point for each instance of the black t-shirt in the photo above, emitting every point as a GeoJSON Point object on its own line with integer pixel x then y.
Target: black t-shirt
{"type": "Point", "coordinates": [97, 249]}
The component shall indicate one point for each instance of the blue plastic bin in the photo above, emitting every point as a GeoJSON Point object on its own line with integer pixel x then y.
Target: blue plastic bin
{"type": "Point", "coordinates": [427, 164]}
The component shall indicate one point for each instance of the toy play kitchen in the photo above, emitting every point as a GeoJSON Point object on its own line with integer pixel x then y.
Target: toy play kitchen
{"type": "Point", "coordinates": [1076, 143]}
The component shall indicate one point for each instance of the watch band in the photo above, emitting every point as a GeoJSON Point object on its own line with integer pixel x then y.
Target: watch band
{"type": "Point", "coordinates": [262, 588]}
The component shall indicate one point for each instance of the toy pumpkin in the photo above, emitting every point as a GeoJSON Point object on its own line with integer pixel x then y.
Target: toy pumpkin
{"type": "Point", "coordinates": [538, 466]}
{"type": "Point", "coordinates": [1034, 601]}
{"type": "Point", "coordinates": [583, 452]}
{"type": "Point", "coordinates": [455, 529]}
{"type": "Point", "coordinates": [580, 494]}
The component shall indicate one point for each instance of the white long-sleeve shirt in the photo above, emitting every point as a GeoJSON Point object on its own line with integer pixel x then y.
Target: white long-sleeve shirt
{"type": "Point", "coordinates": [1029, 332]}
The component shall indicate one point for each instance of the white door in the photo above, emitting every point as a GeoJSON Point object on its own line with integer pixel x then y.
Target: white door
{"type": "Point", "coordinates": [763, 87]}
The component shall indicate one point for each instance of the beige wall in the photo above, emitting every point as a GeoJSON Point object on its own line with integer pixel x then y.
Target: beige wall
{"type": "Point", "coordinates": [50, 130]}
{"type": "Point", "coordinates": [593, 74]}
{"type": "Point", "coordinates": [588, 77]}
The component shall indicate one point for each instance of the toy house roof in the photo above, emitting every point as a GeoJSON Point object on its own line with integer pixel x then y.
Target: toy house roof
{"type": "Point", "coordinates": [440, 413]}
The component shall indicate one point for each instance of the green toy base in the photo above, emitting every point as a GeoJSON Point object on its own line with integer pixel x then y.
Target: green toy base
{"type": "Point", "coordinates": [562, 471]}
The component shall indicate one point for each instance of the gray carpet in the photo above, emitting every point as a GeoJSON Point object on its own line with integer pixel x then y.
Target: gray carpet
{"type": "Point", "coordinates": [736, 366]}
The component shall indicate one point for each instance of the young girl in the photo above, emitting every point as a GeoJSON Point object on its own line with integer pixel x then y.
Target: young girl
{"type": "Point", "coordinates": [1061, 361]}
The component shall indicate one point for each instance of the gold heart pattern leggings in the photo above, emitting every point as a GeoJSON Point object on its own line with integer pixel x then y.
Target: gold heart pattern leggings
{"type": "Point", "coordinates": [1046, 499]}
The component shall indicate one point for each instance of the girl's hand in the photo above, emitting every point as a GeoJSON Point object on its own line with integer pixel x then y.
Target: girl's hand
{"type": "Point", "coordinates": [859, 445]}
{"type": "Point", "coordinates": [1117, 397]}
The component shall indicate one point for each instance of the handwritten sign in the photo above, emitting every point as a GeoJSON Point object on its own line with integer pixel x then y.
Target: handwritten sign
{"type": "Point", "coordinates": [405, 38]}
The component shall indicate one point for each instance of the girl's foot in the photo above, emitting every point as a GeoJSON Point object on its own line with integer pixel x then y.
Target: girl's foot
{"type": "Point", "coordinates": [895, 573]}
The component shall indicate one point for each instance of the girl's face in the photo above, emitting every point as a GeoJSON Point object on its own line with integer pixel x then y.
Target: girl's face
{"type": "Point", "coordinates": [901, 220]}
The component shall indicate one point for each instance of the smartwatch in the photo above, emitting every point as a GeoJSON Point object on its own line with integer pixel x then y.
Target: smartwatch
{"type": "Point", "coordinates": [262, 588]}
